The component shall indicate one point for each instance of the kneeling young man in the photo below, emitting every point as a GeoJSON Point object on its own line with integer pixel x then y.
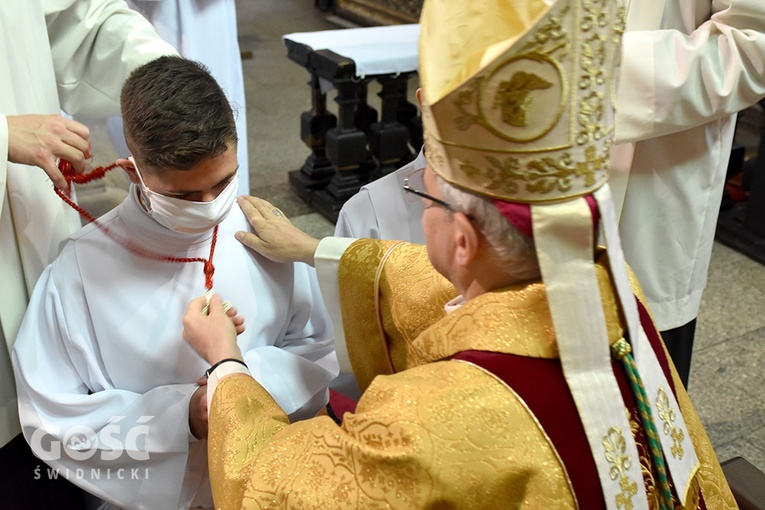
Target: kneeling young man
{"type": "Point", "coordinates": [108, 389]}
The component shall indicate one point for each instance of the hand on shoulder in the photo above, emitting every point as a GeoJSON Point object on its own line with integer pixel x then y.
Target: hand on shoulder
{"type": "Point", "coordinates": [274, 237]}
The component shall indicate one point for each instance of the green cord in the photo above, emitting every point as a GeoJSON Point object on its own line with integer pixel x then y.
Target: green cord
{"type": "Point", "coordinates": [621, 350]}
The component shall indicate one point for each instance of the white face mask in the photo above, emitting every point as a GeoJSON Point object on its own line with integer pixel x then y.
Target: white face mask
{"type": "Point", "coordinates": [186, 216]}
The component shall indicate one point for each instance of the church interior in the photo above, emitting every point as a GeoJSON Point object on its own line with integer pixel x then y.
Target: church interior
{"type": "Point", "coordinates": [726, 380]}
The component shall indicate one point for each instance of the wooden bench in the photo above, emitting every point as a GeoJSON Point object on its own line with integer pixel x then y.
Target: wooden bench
{"type": "Point", "coordinates": [746, 482]}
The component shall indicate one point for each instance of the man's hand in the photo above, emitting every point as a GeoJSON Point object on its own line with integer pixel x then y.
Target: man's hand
{"type": "Point", "coordinates": [37, 140]}
{"type": "Point", "coordinates": [213, 336]}
{"type": "Point", "coordinates": [198, 410]}
{"type": "Point", "coordinates": [275, 237]}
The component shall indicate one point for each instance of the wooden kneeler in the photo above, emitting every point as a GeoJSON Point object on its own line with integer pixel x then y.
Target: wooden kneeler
{"type": "Point", "coordinates": [746, 482]}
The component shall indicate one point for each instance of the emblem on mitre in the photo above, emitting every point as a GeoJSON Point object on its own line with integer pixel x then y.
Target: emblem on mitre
{"type": "Point", "coordinates": [532, 120]}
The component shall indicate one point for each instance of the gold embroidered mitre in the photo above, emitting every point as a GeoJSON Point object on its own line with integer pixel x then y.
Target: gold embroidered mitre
{"type": "Point", "coordinates": [517, 104]}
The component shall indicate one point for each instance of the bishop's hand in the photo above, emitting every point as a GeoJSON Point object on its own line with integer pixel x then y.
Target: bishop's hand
{"type": "Point", "coordinates": [275, 237]}
{"type": "Point", "coordinates": [212, 335]}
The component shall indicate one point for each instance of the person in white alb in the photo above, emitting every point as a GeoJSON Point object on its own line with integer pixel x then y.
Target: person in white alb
{"type": "Point", "coordinates": [54, 55]}
{"type": "Point", "coordinates": [205, 31]}
{"type": "Point", "coordinates": [381, 210]}
{"type": "Point", "coordinates": [687, 68]}
{"type": "Point", "coordinates": [100, 348]}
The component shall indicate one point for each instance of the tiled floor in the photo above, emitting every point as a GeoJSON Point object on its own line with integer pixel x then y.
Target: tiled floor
{"type": "Point", "coordinates": [727, 384]}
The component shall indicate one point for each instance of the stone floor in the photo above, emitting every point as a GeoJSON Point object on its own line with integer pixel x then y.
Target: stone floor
{"type": "Point", "coordinates": [726, 385]}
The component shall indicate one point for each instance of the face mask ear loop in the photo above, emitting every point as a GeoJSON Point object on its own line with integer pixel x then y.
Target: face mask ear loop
{"type": "Point", "coordinates": [144, 195]}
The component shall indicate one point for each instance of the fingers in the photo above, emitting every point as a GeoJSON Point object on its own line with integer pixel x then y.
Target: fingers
{"type": "Point", "coordinates": [196, 305]}
{"type": "Point", "coordinates": [216, 303]}
{"type": "Point", "coordinates": [250, 240]}
{"type": "Point", "coordinates": [82, 133]}
{"type": "Point", "coordinates": [258, 209]}
{"type": "Point", "coordinates": [250, 210]}
{"type": "Point", "coordinates": [248, 203]}
{"type": "Point", "coordinates": [213, 304]}
{"type": "Point", "coordinates": [236, 319]}
{"type": "Point", "coordinates": [76, 136]}
{"type": "Point", "coordinates": [38, 140]}
{"type": "Point", "coordinates": [51, 169]}
{"type": "Point", "coordinates": [66, 139]}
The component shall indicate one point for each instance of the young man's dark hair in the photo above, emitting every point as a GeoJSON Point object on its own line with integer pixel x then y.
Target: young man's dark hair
{"type": "Point", "coordinates": [175, 114]}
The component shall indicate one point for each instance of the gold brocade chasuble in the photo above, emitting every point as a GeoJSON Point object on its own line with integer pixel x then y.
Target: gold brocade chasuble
{"type": "Point", "coordinates": [430, 432]}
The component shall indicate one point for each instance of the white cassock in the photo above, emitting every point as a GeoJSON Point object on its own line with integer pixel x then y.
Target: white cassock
{"type": "Point", "coordinates": [383, 210]}
{"type": "Point", "coordinates": [205, 31]}
{"type": "Point", "coordinates": [101, 347]}
{"type": "Point", "coordinates": [687, 67]}
{"type": "Point", "coordinates": [53, 54]}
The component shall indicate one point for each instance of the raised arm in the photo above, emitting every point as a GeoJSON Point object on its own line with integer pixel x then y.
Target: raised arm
{"type": "Point", "coordinates": [95, 45]}
{"type": "Point", "coordinates": [672, 79]}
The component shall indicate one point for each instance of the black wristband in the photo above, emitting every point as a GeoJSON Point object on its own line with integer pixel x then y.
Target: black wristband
{"type": "Point", "coordinates": [210, 370]}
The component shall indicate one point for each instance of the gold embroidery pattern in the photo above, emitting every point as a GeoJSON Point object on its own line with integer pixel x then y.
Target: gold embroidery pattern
{"type": "Point", "coordinates": [514, 96]}
{"type": "Point", "coordinates": [645, 464]}
{"type": "Point", "coordinates": [667, 416]}
{"type": "Point", "coordinates": [616, 446]}
{"type": "Point", "coordinates": [541, 175]}
{"type": "Point", "coordinates": [463, 99]}
{"type": "Point", "coordinates": [550, 174]}
{"type": "Point", "coordinates": [439, 436]}
{"type": "Point", "coordinates": [357, 300]}
{"type": "Point", "coordinates": [551, 41]}
{"type": "Point", "coordinates": [592, 62]}
{"type": "Point", "coordinates": [551, 37]}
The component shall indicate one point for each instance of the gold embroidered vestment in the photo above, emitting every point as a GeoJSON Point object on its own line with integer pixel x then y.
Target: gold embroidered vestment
{"type": "Point", "coordinates": [430, 433]}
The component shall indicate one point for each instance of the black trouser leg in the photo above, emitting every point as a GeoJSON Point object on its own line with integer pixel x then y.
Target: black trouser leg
{"type": "Point", "coordinates": [24, 487]}
{"type": "Point", "coordinates": [679, 342]}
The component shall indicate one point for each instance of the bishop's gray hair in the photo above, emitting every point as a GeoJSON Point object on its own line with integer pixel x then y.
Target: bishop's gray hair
{"type": "Point", "coordinates": [515, 250]}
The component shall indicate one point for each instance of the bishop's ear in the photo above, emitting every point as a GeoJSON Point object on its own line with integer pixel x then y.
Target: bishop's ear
{"type": "Point", "coordinates": [467, 239]}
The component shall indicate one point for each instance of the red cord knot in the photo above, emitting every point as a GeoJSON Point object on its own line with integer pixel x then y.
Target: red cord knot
{"type": "Point", "coordinates": [209, 270]}
{"type": "Point", "coordinates": [65, 167]}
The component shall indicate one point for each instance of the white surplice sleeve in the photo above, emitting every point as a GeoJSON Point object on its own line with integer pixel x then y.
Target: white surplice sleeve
{"type": "Point", "coordinates": [297, 369]}
{"type": "Point", "coordinates": [95, 44]}
{"type": "Point", "coordinates": [122, 446]}
{"type": "Point", "coordinates": [671, 81]}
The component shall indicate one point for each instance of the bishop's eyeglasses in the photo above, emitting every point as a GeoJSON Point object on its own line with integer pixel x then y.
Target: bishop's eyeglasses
{"type": "Point", "coordinates": [415, 183]}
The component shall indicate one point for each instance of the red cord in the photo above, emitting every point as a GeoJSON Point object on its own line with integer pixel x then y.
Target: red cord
{"type": "Point", "coordinates": [97, 173]}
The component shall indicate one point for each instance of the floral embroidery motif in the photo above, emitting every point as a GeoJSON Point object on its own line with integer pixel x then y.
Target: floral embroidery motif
{"type": "Point", "coordinates": [616, 447]}
{"type": "Point", "coordinates": [645, 464]}
{"type": "Point", "coordinates": [541, 175]}
{"type": "Point", "coordinates": [667, 416]}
